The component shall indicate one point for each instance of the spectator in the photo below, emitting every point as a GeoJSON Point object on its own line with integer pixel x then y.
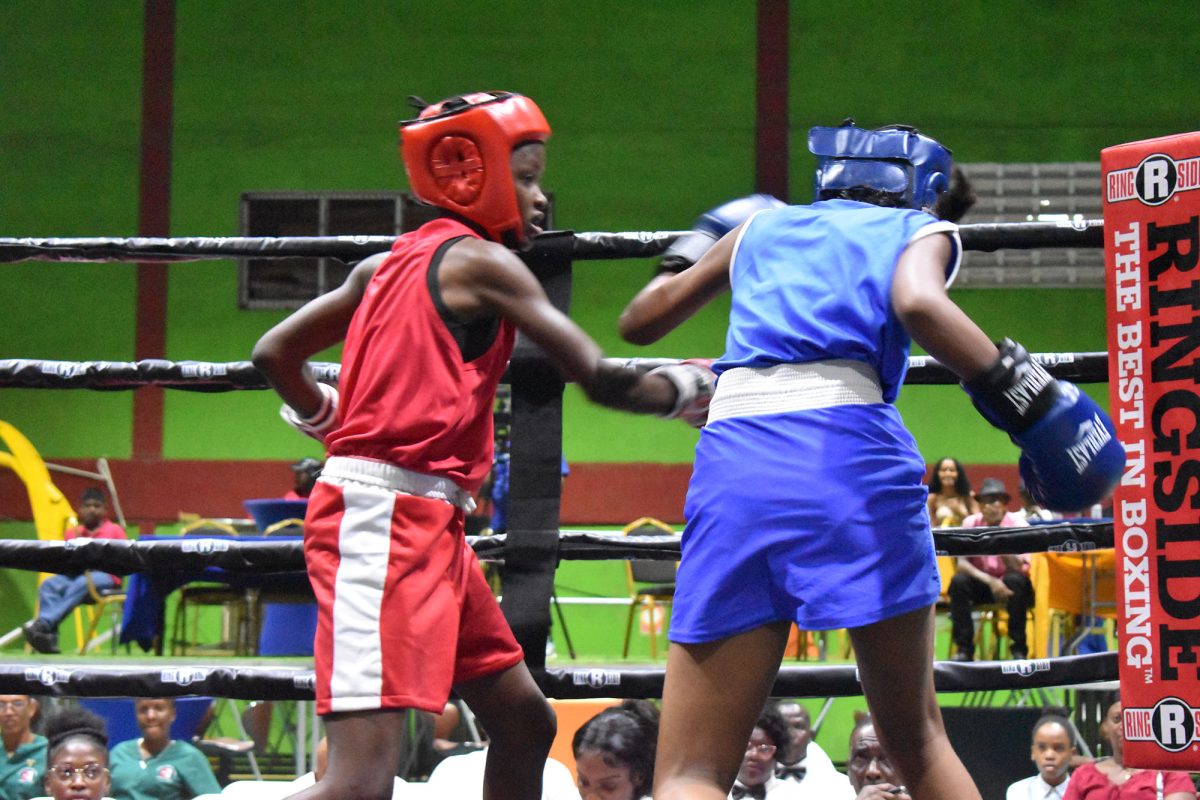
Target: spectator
{"type": "Point", "coordinates": [950, 500]}
{"type": "Point", "coordinates": [157, 767]}
{"type": "Point", "coordinates": [59, 595]}
{"type": "Point", "coordinates": [77, 756]}
{"type": "Point", "coordinates": [1030, 511]}
{"type": "Point", "coordinates": [24, 765]}
{"type": "Point", "coordinates": [1052, 750]}
{"type": "Point", "coordinates": [990, 579]}
{"type": "Point", "coordinates": [614, 752]}
{"type": "Point", "coordinates": [1110, 779]}
{"type": "Point", "coordinates": [872, 775]}
{"type": "Point", "coordinates": [757, 778]}
{"type": "Point", "coordinates": [304, 476]}
{"type": "Point", "coordinates": [804, 761]}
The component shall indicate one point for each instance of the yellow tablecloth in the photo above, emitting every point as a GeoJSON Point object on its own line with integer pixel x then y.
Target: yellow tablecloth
{"type": "Point", "coordinates": [1061, 581]}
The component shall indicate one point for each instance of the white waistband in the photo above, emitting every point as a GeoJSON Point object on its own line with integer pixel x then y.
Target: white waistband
{"type": "Point", "coordinates": [339, 469]}
{"type": "Point", "coordinates": [750, 391]}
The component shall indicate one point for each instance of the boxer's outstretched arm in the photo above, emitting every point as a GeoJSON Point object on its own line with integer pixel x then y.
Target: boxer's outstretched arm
{"type": "Point", "coordinates": [669, 300]}
{"type": "Point", "coordinates": [478, 279]}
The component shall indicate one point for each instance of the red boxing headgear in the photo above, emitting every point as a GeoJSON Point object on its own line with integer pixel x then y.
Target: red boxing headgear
{"type": "Point", "coordinates": [457, 155]}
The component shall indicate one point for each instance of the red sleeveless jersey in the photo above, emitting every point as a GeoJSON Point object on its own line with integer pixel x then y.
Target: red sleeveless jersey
{"type": "Point", "coordinates": [406, 395]}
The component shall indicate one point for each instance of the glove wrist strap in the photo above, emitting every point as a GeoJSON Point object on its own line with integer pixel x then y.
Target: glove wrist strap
{"type": "Point", "coordinates": [1015, 391]}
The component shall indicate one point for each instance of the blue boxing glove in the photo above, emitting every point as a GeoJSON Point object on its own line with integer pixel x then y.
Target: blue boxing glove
{"type": "Point", "coordinates": [1070, 456]}
{"type": "Point", "coordinates": [711, 226]}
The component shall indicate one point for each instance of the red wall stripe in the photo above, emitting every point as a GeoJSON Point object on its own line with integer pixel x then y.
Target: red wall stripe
{"type": "Point", "coordinates": [154, 214]}
{"type": "Point", "coordinates": [771, 124]}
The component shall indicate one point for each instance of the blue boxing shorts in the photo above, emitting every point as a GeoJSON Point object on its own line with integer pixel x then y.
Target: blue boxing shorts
{"type": "Point", "coordinates": [815, 516]}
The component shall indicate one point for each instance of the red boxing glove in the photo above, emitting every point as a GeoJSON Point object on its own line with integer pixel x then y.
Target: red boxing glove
{"type": "Point", "coordinates": [694, 381]}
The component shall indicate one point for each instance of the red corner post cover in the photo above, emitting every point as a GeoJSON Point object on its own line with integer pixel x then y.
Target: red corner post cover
{"type": "Point", "coordinates": [1151, 248]}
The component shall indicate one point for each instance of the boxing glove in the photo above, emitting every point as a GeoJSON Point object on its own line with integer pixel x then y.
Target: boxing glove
{"type": "Point", "coordinates": [1070, 455]}
{"type": "Point", "coordinates": [711, 226]}
{"type": "Point", "coordinates": [320, 423]}
{"type": "Point", "coordinates": [694, 381]}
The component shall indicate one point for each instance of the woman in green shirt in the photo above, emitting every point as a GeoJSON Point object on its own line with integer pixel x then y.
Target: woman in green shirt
{"type": "Point", "coordinates": [25, 752]}
{"type": "Point", "coordinates": [157, 767]}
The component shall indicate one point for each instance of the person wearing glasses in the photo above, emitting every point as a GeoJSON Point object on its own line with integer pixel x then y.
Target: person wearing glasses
{"type": "Point", "coordinates": [990, 579]}
{"type": "Point", "coordinates": [756, 778]}
{"type": "Point", "coordinates": [157, 767]}
{"type": "Point", "coordinates": [25, 751]}
{"type": "Point", "coordinates": [77, 756]}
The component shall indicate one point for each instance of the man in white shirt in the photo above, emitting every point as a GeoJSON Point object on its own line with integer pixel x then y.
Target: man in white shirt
{"type": "Point", "coordinates": [1052, 750]}
{"type": "Point", "coordinates": [805, 762]}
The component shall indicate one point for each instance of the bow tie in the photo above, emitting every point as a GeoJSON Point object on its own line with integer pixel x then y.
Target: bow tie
{"type": "Point", "coordinates": [740, 791]}
{"type": "Point", "coordinates": [791, 772]}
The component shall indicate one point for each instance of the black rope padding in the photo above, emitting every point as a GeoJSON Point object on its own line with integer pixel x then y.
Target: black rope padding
{"type": "Point", "coordinates": [586, 246]}
{"type": "Point", "coordinates": [247, 683]}
{"type": "Point", "coordinates": [281, 683]}
{"type": "Point", "coordinates": [207, 376]}
{"type": "Point", "coordinates": [196, 376]}
{"type": "Point", "coordinates": [1032, 235]}
{"type": "Point", "coordinates": [126, 556]}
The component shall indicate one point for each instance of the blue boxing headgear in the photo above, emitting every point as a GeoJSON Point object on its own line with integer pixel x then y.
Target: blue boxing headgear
{"type": "Point", "coordinates": [895, 159]}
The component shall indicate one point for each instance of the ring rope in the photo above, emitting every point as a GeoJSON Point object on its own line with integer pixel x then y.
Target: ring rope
{"type": "Point", "coordinates": [126, 556]}
{"type": "Point", "coordinates": [209, 376]}
{"type": "Point", "coordinates": [295, 683]}
{"type": "Point", "coordinates": [583, 246]}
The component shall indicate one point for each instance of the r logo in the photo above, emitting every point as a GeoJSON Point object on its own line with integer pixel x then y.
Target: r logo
{"type": "Point", "coordinates": [1172, 724]}
{"type": "Point", "coordinates": [1156, 179]}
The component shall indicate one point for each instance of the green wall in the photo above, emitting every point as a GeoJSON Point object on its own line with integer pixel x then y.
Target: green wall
{"type": "Point", "coordinates": [653, 110]}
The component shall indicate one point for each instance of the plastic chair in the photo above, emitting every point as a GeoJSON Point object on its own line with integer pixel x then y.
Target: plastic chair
{"type": "Point", "coordinates": [120, 719]}
{"type": "Point", "coordinates": [660, 575]}
{"type": "Point", "coordinates": [99, 601]}
{"type": "Point", "coordinates": [268, 511]}
{"type": "Point", "coordinates": [285, 527]}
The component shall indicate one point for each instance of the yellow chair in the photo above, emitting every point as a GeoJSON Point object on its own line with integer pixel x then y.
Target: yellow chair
{"type": "Point", "coordinates": [651, 583]}
{"type": "Point", "coordinates": [99, 601]}
{"type": "Point", "coordinates": [285, 527]}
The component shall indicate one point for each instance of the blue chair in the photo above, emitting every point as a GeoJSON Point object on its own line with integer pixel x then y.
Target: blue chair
{"type": "Point", "coordinates": [275, 515]}
{"type": "Point", "coordinates": [121, 721]}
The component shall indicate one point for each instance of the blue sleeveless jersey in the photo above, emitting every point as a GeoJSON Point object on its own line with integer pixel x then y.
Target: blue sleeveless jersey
{"type": "Point", "coordinates": [816, 516]}
{"type": "Point", "coordinates": [812, 283]}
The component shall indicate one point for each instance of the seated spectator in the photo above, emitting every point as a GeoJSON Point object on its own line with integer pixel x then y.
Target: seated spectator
{"type": "Point", "coordinates": [757, 778]}
{"type": "Point", "coordinates": [76, 756]}
{"type": "Point", "coordinates": [1052, 750]}
{"type": "Point", "coordinates": [1110, 779]}
{"type": "Point", "coordinates": [871, 773]}
{"type": "Point", "coordinates": [60, 594]}
{"type": "Point", "coordinates": [304, 476]}
{"type": "Point", "coordinates": [990, 579]}
{"type": "Point", "coordinates": [950, 500]}
{"type": "Point", "coordinates": [157, 767]}
{"type": "Point", "coordinates": [614, 752]}
{"type": "Point", "coordinates": [1030, 511]}
{"type": "Point", "coordinates": [22, 771]}
{"type": "Point", "coordinates": [804, 761]}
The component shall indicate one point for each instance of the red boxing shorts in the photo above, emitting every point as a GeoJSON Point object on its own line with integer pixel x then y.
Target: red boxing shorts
{"type": "Point", "coordinates": [404, 611]}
